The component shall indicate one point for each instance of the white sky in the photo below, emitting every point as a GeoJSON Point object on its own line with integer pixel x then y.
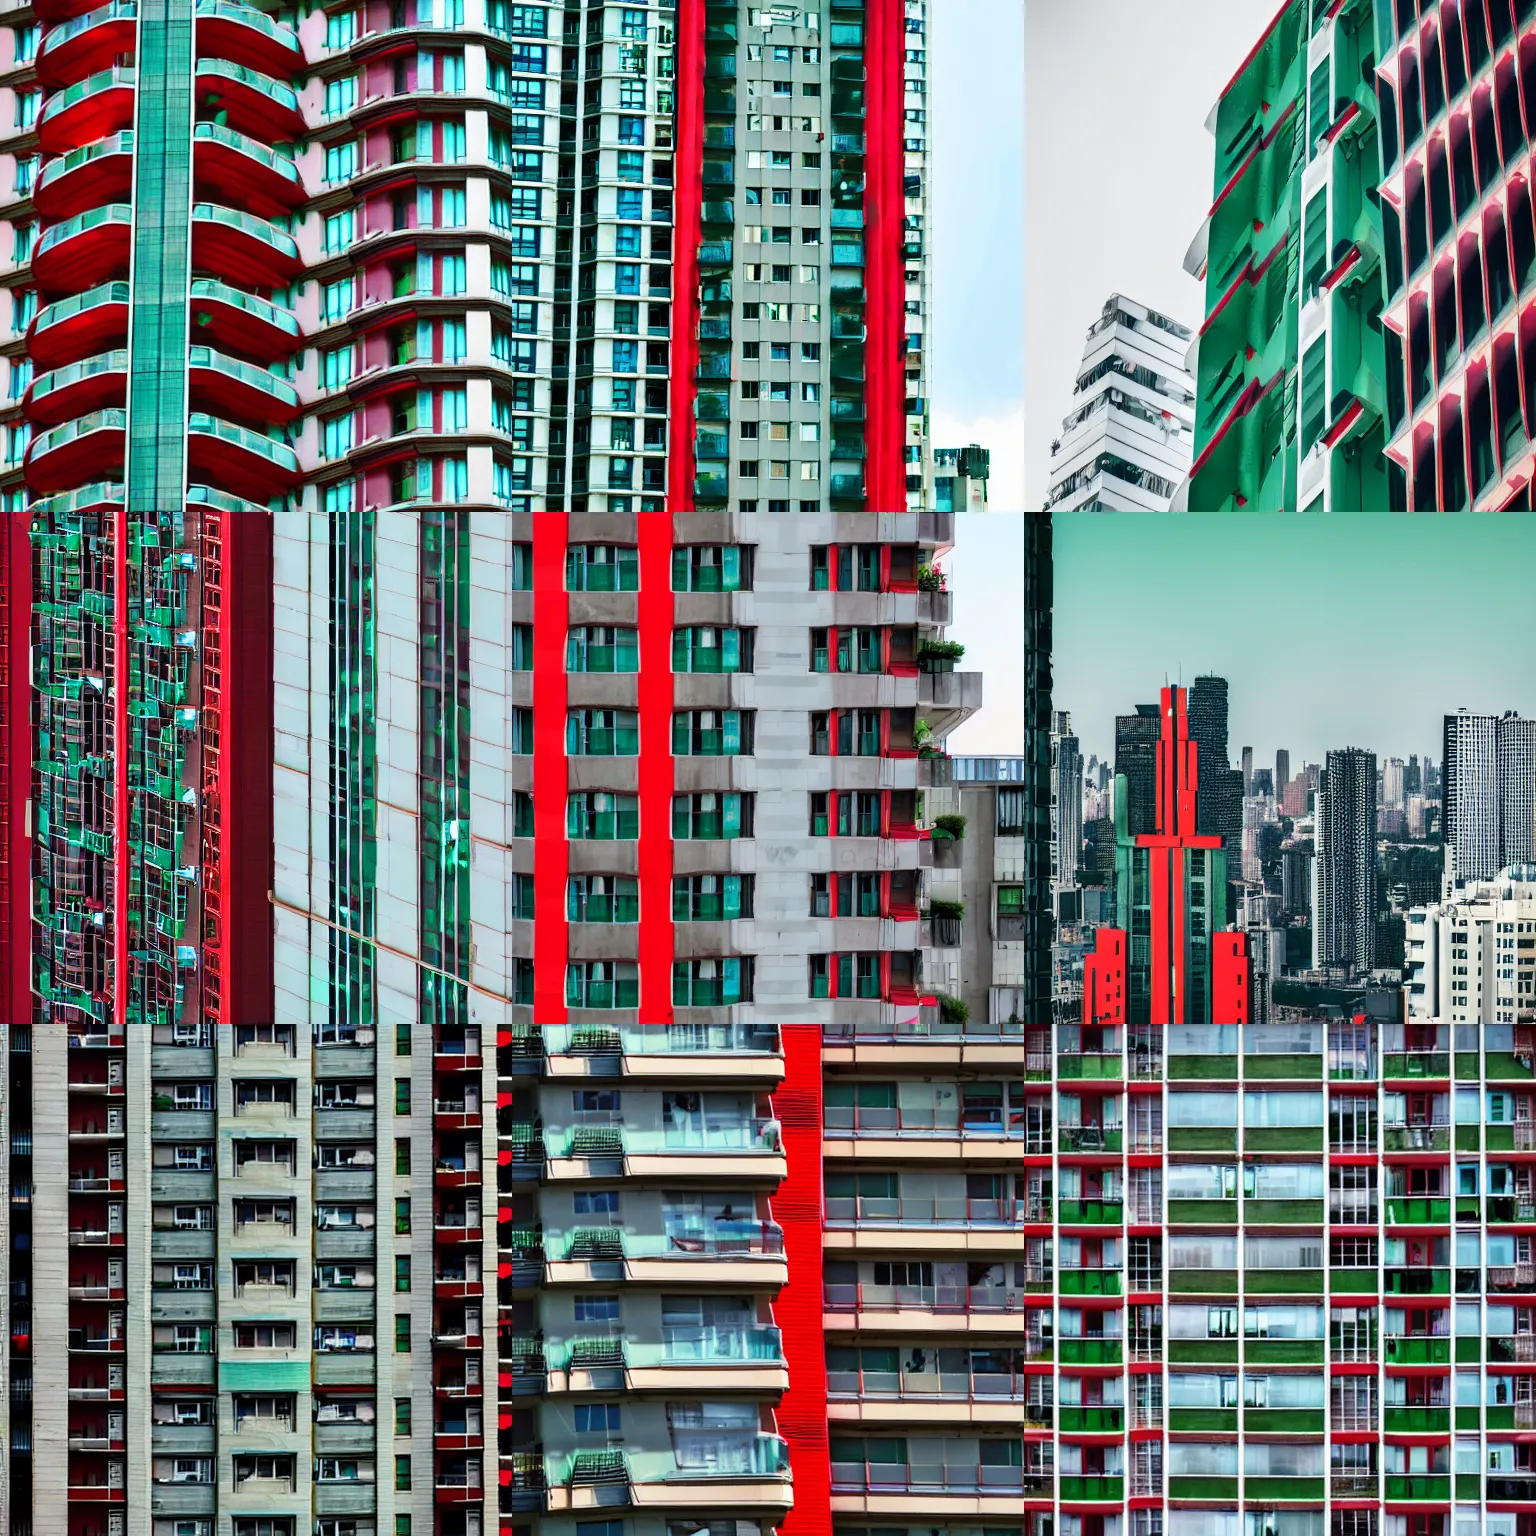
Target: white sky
{"type": "Point", "coordinates": [1119, 171]}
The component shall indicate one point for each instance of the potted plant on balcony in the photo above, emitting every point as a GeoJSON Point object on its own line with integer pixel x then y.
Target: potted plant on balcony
{"type": "Point", "coordinates": [930, 579]}
{"type": "Point", "coordinates": [939, 655]}
{"type": "Point", "coordinates": [949, 826]}
{"type": "Point", "coordinates": [945, 917]}
{"type": "Point", "coordinates": [951, 1009]}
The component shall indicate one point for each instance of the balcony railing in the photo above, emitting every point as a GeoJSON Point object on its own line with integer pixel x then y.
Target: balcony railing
{"type": "Point", "coordinates": [959, 1386]}
{"type": "Point", "coordinates": [842, 1120]}
{"type": "Point", "coordinates": [881, 1477]}
{"type": "Point", "coordinates": [923, 1298]}
{"type": "Point", "coordinates": [923, 1028]}
{"type": "Point", "coordinates": [921, 1211]}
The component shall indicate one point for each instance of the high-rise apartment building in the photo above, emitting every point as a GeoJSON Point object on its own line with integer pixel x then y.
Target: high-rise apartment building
{"type": "Point", "coordinates": [1515, 750]}
{"type": "Point", "coordinates": [387, 383]}
{"type": "Point", "coordinates": [1066, 801]}
{"type": "Point", "coordinates": [1247, 767]}
{"type": "Point", "coordinates": [1125, 447]}
{"type": "Point", "coordinates": [1034, 810]}
{"type": "Point", "coordinates": [1282, 771]}
{"type": "Point", "coordinates": [1135, 781]}
{"type": "Point", "coordinates": [960, 477]}
{"type": "Point", "coordinates": [1221, 786]}
{"type": "Point", "coordinates": [1169, 958]}
{"type": "Point", "coordinates": [1344, 881]}
{"type": "Point", "coordinates": [1472, 958]}
{"type": "Point", "coordinates": [1471, 796]}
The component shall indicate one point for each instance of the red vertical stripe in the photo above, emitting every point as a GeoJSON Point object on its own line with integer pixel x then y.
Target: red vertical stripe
{"type": "Point", "coordinates": [245, 767]}
{"type": "Point", "coordinates": [1157, 879]}
{"type": "Point", "coordinates": [884, 266]}
{"type": "Point", "coordinates": [550, 783]}
{"type": "Point", "coordinates": [120, 817]}
{"type": "Point", "coordinates": [798, 1209]}
{"type": "Point", "coordinates": [17, 968]}
{"type": "Point", "coordinates": [688, 163]}
{"type": "Point", "coordinates": [655, 537]}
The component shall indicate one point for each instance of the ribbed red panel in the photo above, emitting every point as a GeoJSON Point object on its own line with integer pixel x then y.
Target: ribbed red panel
{"type": "Point", "coordinates": [655, 851]}
{"type": "Point", "coordinates": [1231, 978]}
{"type": "Point", "coordinates": [798, 1209]}
{"type": "Point", "coordinates": [688, 162]}
{"type": "Point", "coordinates": [550, 612]}
{"type": "Point", "coordinates": [245, 768]}
{"type": "Point", "coordinates": [16, 895]}
{"type": "Point", "coordinates": [884, 274]}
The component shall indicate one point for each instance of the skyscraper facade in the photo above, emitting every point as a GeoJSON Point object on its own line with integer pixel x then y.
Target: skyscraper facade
{"type": "Point", "coordinates": [1282, 771]}
{"type": "Point", "coordinates": [1125, 445]}
{"type": "Point", "coordinates": [1136, 738]}
{"type": "Point", "coordinates": [1515, 750]}
{"type": "Point", "coordinates": [1034, 810]}
{"type": "Point", "coordinates": [1066, 801]}
{"type": "Point", "coordinates": [1221, 786]}
{"type": "Point", "coordinates": [387, 383]}
{"type": "Point", "coordinates": [1344, 881]}
{"type": "Point", "coordinates": [1471, 796]}
{"type": "Point", "coordinates": [1169, 958]}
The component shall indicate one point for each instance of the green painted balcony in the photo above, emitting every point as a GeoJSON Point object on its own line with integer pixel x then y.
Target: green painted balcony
{"type": "Point", "coordinates": [1419, 1351]}
{"type": "Point", "coordinates": [1283, 1352]}
{"type": "Point", "coordinates": [1416, 1138]}
{"type": "Point", "coordinates": [1283, 1282]}
{"type": "Point", "coordinates": [1469, 1487]}
{"type": "Point", "coordinates": [1202, 1068]}
{"type": "Point", "coordinates": [1202, 1138]}
{"type": "Point", "coordinates": [1501, 1138]}
{"type": "Point", "coordinates": [1090, 1282]}
{"type": "Point", "coordinates": [1199, 1420]}
{"type": "Point", "coordinates": [1358, 1282]}
{"type": "Point", "coordinates": [1103, 1213]}
{"type": "Point", "coordinates": [1417, 1282]}
{"type": "Point", "coordinates": [1090, 1138]}
{"type": "Point", "coordinates": [1224, 1488]}
{"type": "Point", "coordinates": [1085, 1067]}
{"type": "Point", "coordinates": [1092, 1490]}
{"type": "Point", "coordinates": [1202, 1282]}
{"type": "Point", "coordinates": [1202, 1351]}
{"type": "Point", "coordinates": [1203, 1212]}
{"type": "Point", "coordinates": [1077, 1419]}
{"type": "Point", "coordinates": [1283, 1212]}
{"type": "Point", "coordinates": [1416, 1420]}
{"type": "Point", "coordinates": [1290, 1138]}
{"type": "Point", "coordinates": [1080, 1351]}
{"type": "Point", "coordinates": [1467, 1138]}
{"type": "Point", "coordinates": [1469, 1418]}
{"type": "Point", "coordinates": [1418, 1211]}
{"type": "Point", "coordinates": [1504, 1066]}
{"type": "Point", "coordinates": [1282, 1068]}
{"type": "Point", "coordinates": [1417, 1488]}
{"type": "Point", "coordinates": [1415, 1066]}
{"type": "Point", "coordinates": [1283, 1489]}
{"type": "Point", "coordinates": [1283, 1421]}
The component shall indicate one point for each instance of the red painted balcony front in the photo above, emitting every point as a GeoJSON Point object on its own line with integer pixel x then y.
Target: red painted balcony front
{"type": "Point", "coordinates": [50, 13]}
{"type": "Point", "coordinates": [89, 110]}
{"type": "Point", "coordinates": [241, 247]}
{"type": "Point", "coordinates": [78, 48]}
{"type": "Point", "coordinates": [244, 173]}
{"type": "Point", "coordinates": [79, 326]}
{"type": "Point", "coordinates": [78, 389]}
{"type": "Point", "coordinates": [226, 454]}
{"type": "Point", "coordinates": [241, 323]}
{"type": "Point", "coordinates": [66, 456]}
{"type": "Point", "coordinates": [87, 249]}
{"type": "Point", "coordinates": [225, 386]}
{"type": "Point", "coordinates": [86, 178]}
{"type": "Point", "coordinates": [251, 102]}
{"type": "Point", "coordinates": [243, 35]}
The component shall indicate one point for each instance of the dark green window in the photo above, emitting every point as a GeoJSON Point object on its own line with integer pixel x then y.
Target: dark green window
{"type": "Point", "coordinates": [402, 1272]}
{"type": "Point", "coordinates": [1314, 393]}
{"type": "Point", "coordinates": [1314, 244]}
{"type": "Point", "coordinates": [403, 1333]}
{"type": "Point", "coordinates": [1318, 107]}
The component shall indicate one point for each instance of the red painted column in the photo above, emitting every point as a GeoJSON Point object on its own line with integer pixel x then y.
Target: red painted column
{"type": "Point", "coordinates": [688, 173]}
{"type": "Point", "coordinates": [550, 781]}
{"type": "Point", "coordinates": [655, 852]}
{"type": "Point", "coordinates": [798, 1209]}
{"type": "Point", "coordinates": [1231, 979]}
{"type": "Point", "coordinates": [16, 896]}
{"type": "Point", "coordinates": [884, 266]}
{"type": "Point", "coordinates": [245, 767]}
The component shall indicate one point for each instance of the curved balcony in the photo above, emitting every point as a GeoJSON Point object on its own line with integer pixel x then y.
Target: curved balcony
{"type": "Point", "coordinates": [252, 102]}
{"type": "Point", "coordinates": [227, 30]}
{"type": "Point", "coordinates": [222, 501]}
{"type": "Point", "coordinates": [78, 389]}
{"type": "Point", "coordinates": [239, 170]}
{"type": "Point", "coordinates": [80, 325]}
{"type": "Point", "coordinates": [87, 177]}
{"type": "Point", "coordinates": [241, 247]}
{"type": "Point", "coordinates": [241, 322]}
{"type": "Point", "coordinates": [220, 451]}
{"type": "Point", "coordinates": [80, 47]}
{"type": "Point", "coordinates": [84, 250]}
{"type": "Point", "coordinates": [62, 457]}
{"type": "Point", "coordinates": [224, 386]}
{"type": "Point", "coordinates": [89, 110]}
{"type": "Point", "coordinates": [102, 496]}
{"type": "Point", "coordinates": [52, 13]}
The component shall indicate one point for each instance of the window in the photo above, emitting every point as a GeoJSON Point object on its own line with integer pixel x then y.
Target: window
{"type": "Point", "coordinates": [1314, 385]}
{"type": "Point", "coordinates": [264, 1335]}
{"type": "Point", "coordinates": [402, 1474]}
{"type": "Point", "coordinates": [341, 161]}
{"type": "Point", "coordinates": [341, 93]}
{"type": "Point", "coordinates": [339, 229]}
{"type": "Point", "coordinates": [402, 1416]}
{"type": "Point", "coordinates": [402, 1095]}
{"type": "Point", "coordinates": [403, 1333]}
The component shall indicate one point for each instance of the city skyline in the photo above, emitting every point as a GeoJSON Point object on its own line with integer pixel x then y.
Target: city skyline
{"type": "Point", "coordinates": [1287, 604]}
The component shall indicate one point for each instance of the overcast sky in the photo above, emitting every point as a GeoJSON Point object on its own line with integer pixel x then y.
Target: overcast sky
{"type": "Point", "coordinates": [1355, 631]}
{"type": "Point", "coordinates": [976, 120]}
{"type": "Point", "coordinates": [1119, 169]}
